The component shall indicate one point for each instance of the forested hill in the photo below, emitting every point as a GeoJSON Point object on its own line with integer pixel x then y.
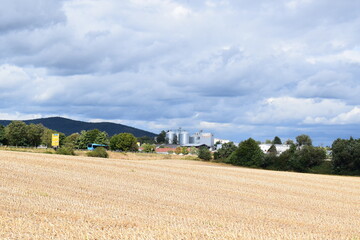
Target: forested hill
{"type": "Point", "coordinates": [69, 126]}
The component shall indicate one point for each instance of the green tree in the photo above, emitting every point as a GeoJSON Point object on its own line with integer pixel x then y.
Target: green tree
{"type": "Point", "coordinates": [102, 138]}
{"type": "Point", "coordinates": [268, 141]}
{"type": "Point", "coordinates": [161, 138]}
{"type": "Point", "coordinates": [2, 135]}
{"type": "Point", "coordinates": [92, 136]}
{"type": "Point", "coordinates": [16, 133]}
{"type": "Point", "coordinates": [204, 153]}
{"type": "Point", "coordinates": [175, 140]}
{"type": "Point", "coordinates": [276, 140]}
{"type": "Point", "coordinates": [307, 157]}
{"type": "Point", "coordinates": [303, 140]}
{"type": "Point", "coordinates": [47, 137]}
{"type": "Point", "coordinates": [73, 139]}
{"type": "Point", "coordinates": [247, 154]}
{"type": "Point", "coordinates": [124, 142]}
{"type": "Point", "coordinates": [146, 139]}
{"type": "Point", "coordinates": [346, 156]}
{"type": "Point", "coordinates": [272, 149]}
{"type": "Point", "coordinates": [225, 151]}
{"type": "Point", "coordinates": [34, 134]}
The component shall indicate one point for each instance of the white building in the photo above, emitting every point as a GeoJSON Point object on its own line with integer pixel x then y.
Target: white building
{"type": "Point", "coordinates": [280, 148]}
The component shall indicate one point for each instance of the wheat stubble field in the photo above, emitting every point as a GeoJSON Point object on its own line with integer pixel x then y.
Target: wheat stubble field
{"type": "Point", "coordinates": [45, 196]}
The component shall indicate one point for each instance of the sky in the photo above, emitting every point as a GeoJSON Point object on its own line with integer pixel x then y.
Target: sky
{"type": "Point", "coordinates": [236, 68]}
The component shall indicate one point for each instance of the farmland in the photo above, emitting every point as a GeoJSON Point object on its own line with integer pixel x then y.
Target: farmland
{"type": "Point", "coordinates": [45, 196]}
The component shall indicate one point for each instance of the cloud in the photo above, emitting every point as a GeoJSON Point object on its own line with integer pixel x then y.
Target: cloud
{"type": "Point", "coordinates": [296, 110]}
{"type": "Point", "coordinates": [17, 15]}
{"type": "Point", "coordinates": [257, 67]}
{"type": "Point", "coordinates": [350, 117]}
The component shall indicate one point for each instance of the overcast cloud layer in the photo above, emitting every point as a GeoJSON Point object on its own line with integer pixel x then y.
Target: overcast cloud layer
{"type": "Point", "coordinates": [237, 68]}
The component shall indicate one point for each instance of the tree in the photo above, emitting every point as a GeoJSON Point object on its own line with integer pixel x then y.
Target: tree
{"type": "Point", "coordinates": [289, 142]}
{"type": "Point", "coordinates": [175, 139]}
{"type": "Point", "coordinates": [303, 140]}
{"type": "Point", "coordinates": [102, 138]}
{"type": "Point", "coordinates": [148, 148]}
{"type": "Point", "coordinates": [92, 136]}
{"type": "Point", "coordinates": [276, 140]}
{"type": "Point", "coordinates": [123, 142]}
{"type": "Point", "coordinates": [34, 134]}
{"type": "Point", "coordinates": [161, 138]}
{"type": "Point", "coordinates": [204, 153]}
{"type": "Point", "coordinates": [307, 157]}
{"type": "Point", "coordinates": [2, 135]}
{"type": "Point", "coordinates": [73, 139]}
{"type": "Point", "coordinates": [146, 139]}
{"type": "Point", "coordinates": [46, 137]}
{"type": "Point", "coordinates": [16, 133]}
{"type": "Point", "coordinates": [225, 151]}
{"type": "Point", "coordinates": [272, 149]}
{"type": "Point", "coordinates": [268, 141]}
{"type": "Point", "coordinates": [346, 156]}
{"type": "Point", "coordinates": [247, 154]}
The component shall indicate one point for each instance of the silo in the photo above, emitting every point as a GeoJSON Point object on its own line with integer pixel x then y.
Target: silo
{"type": "Point", "coordinates": [184, 138]}
{"type": "Point", "coordinates": [170, 136]}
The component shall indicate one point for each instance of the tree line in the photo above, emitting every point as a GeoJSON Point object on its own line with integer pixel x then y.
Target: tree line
{"type": "Point", "coordinates": [302, 156]}
{"type": "Point", "coordinates": [18, 133]}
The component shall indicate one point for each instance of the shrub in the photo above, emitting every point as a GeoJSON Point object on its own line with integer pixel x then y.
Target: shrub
{"type": "Point", "coordinates": [148, 148]}
{"type": "Point", "coordinates": [98, 152]}
{"type": "Point", "coordinates": [184, 150]}
{"type": "Point", "coordinates": [65, 150]}
{"type": "Point", "coordinates": [204, 153]}
{"type": "Point", "coordinates": [178, 150]}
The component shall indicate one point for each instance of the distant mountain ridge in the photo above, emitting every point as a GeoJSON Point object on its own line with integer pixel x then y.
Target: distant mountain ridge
{"type": "Point", "coordinates": [69, 126]}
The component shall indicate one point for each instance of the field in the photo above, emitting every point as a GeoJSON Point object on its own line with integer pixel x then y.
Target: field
{"type": "Point", "coordinates": [46, 196]}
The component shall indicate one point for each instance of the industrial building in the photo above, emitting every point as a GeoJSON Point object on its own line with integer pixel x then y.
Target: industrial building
{"type": "Point", "coordinates": [183, 138]}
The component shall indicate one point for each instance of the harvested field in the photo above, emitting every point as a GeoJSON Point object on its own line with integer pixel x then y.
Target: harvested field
{"type": "Point", "coordinates": [46, 196]}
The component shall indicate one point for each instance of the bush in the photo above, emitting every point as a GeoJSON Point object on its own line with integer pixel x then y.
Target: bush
{"type": "Point", "coordinates": [204, 153]}
{"type": "Point", "coordinates": [184, 151]}
{"type": "Point", "coordinates": [148, 148]}
{"type": "Point", "coordinates": [98, 152]}
{"type": "Point", "coordinates": [66, 150]}
{"type": "Point", "coordinates": [178, 150]}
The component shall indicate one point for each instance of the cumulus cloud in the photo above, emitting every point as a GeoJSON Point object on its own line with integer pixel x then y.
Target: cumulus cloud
{"type": "Point", "coordinates": [284, 67]}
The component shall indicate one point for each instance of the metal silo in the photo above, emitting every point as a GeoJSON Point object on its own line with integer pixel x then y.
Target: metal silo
{"type": "Point", "coordinates": [184, 138]}
{"type": "Point", "coordinates": [170, 136]}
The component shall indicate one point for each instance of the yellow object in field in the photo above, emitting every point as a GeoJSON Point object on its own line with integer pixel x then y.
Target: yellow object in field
{"type": "Point", "coordinates": [55, 140]}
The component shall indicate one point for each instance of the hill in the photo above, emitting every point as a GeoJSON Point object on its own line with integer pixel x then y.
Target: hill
{"type": "Point", "coordinates": [47, 196]}
{"type": "Point", "coordinates": [69, 126]}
